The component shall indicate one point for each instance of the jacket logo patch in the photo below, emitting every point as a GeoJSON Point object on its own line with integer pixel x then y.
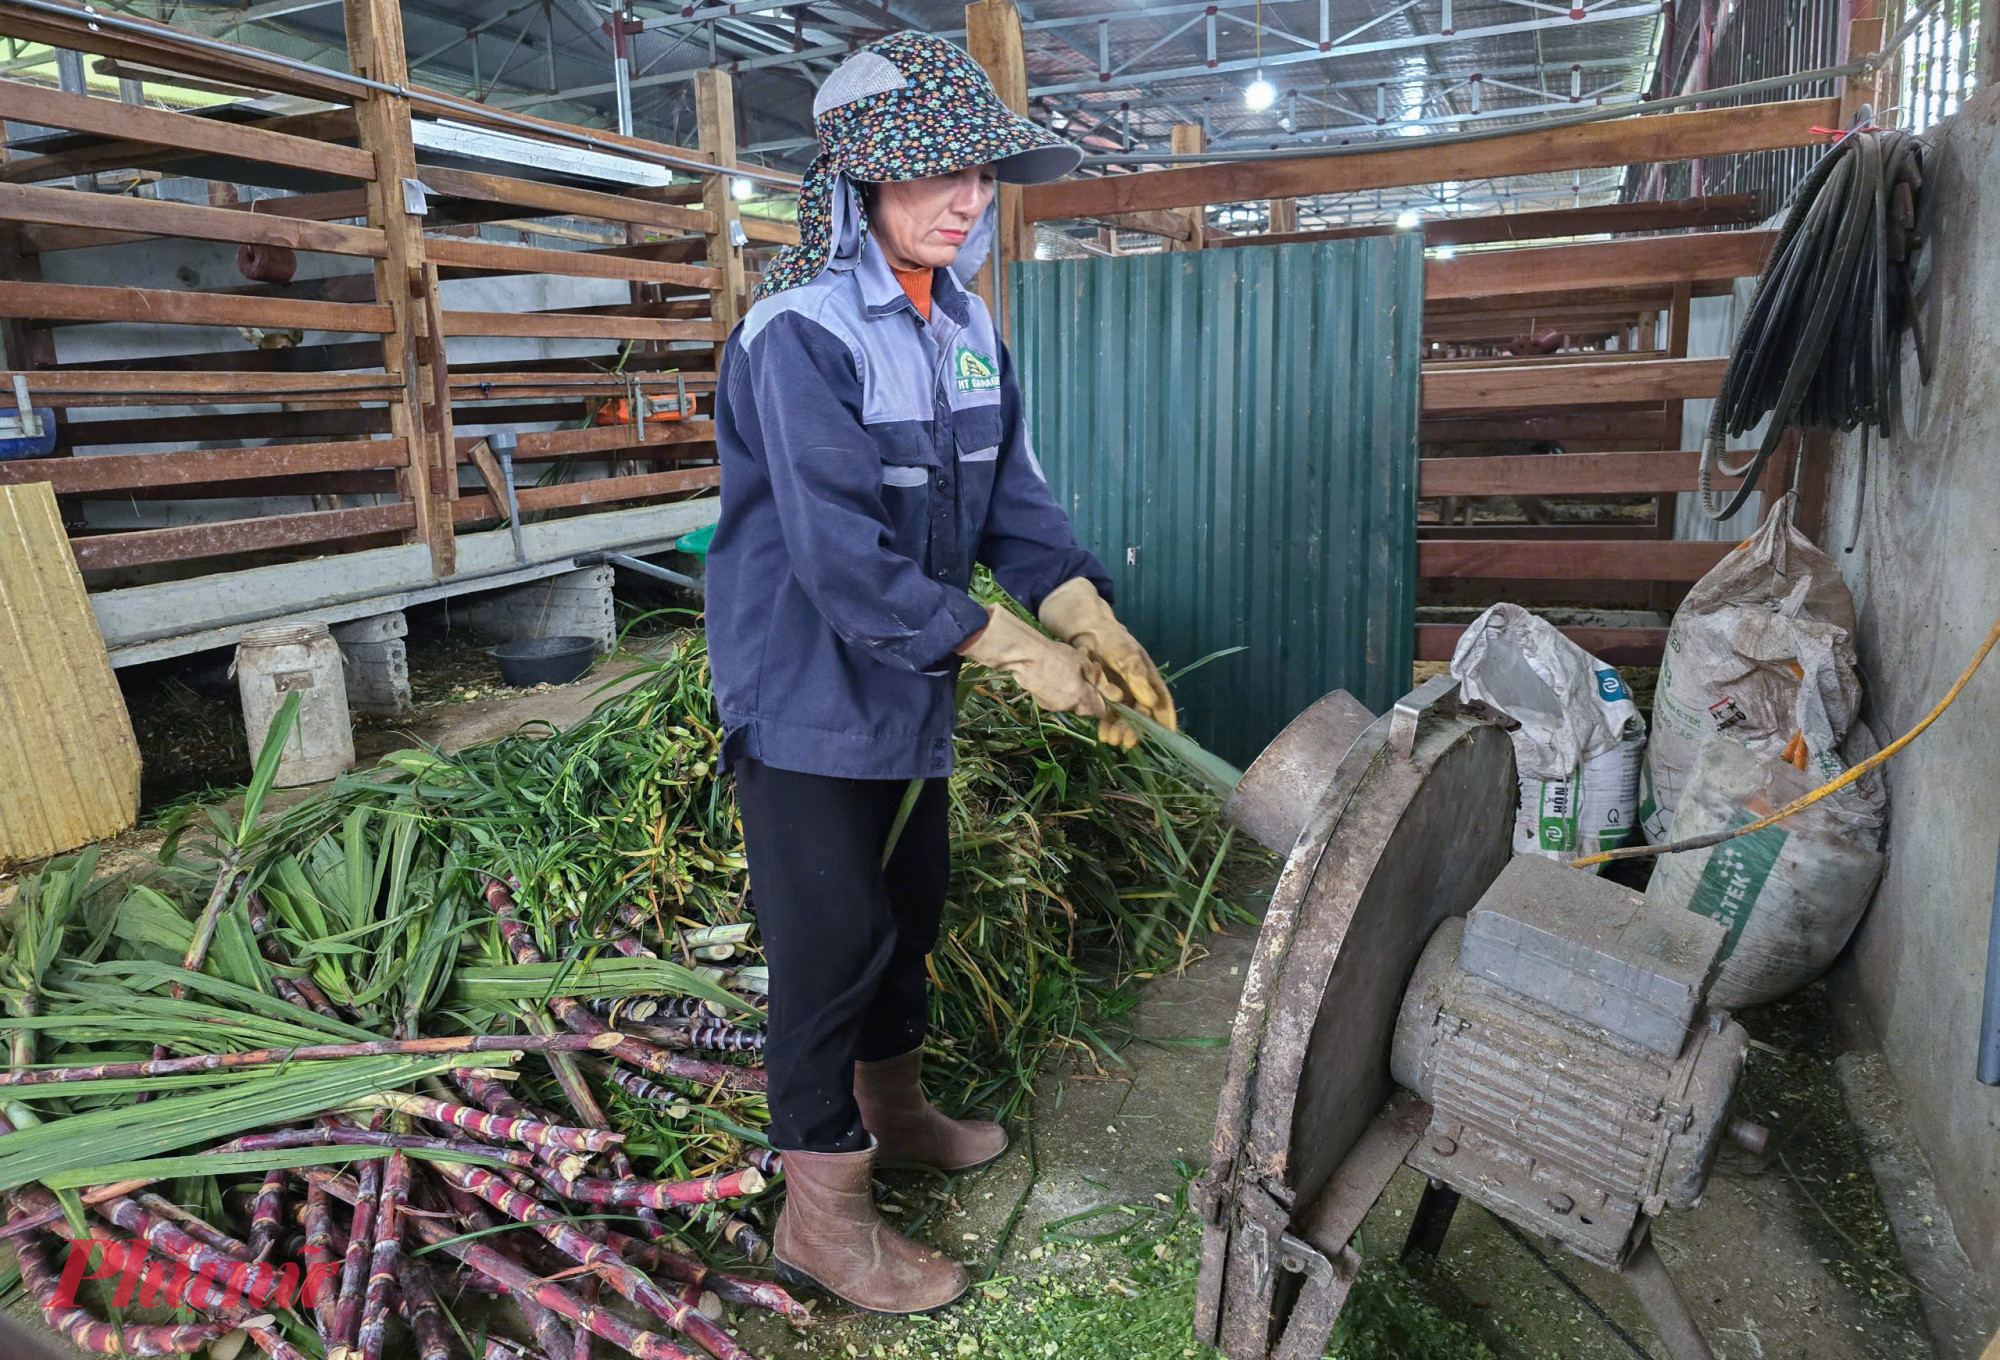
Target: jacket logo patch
{"type": "Point", "coordinates": [976, 372]}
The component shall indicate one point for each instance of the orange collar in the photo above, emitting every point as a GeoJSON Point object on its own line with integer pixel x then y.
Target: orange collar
{"type": "Point", "coordinates": [917, 286]}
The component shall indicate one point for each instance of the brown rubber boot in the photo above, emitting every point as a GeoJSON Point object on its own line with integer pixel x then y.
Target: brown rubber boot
{"type": "Point", "coordinates": [908, 1129]}
{"type": "Point", "coordinates": [831, 1236]}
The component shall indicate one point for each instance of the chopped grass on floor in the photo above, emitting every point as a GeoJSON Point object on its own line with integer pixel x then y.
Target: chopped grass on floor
{"type": "Point", "coordinates": [1135, 1301]}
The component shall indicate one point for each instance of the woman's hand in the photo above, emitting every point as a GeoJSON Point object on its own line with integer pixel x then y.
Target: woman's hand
{"type": "Point", "coordinates": [1077, 614]}
{"type": "Point", "coordinates": [1056, 675]}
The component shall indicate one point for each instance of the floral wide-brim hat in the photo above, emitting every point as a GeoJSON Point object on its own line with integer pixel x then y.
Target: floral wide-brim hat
{"type": "Point", "coordinates": [907, 107]}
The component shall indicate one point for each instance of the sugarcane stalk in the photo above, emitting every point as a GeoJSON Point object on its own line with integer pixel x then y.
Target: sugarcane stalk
{"type": "Point", "coordinates": [299, 990]}
{"type": "Point", "coordinates": [645, 1345]}
{"type": "Point", "coordinates": [739, 1232]}
{"type": "Point", "coordinates": [505, 1048]}
{"type": "Point", "coordinates": [95, 1336]}
{"type": "Point", "coordinates": [353, 1267]}
{"type": "Point", "coordinates": [577, 1016]}
{"type": "Point", "coordinates": [416, 1300]}
{"type": "Point", "coordinates": [267, 1215]}
{"type": "Point", "coordinates": [51, 1213]}
{"type": "Point", "coordinates": [383, 1258]}
{"type": "Point", "coordinates": [319, 1255]}
{"type": "Point", "coordinates": [198, 1228]}
{"type": "Point", "coordinates": [342, 1136]}
{"type": "Point", "coordinates": [628, 1281]}
{"type": "Point", "coordinates": [717, 1036]}
{"type": "Point", "coordinates": [738, 1289]}
{"type": "Point", "coordinates": [497, 1127]}
{"type": "Point", "coordinates": [652, 1194]}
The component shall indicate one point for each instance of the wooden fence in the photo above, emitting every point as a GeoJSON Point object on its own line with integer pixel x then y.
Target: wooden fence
{"type": "Point", "coordinates": [365, 418]}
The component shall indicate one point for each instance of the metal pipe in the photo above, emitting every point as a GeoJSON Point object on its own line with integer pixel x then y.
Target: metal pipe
{"type": "Point", "coordinates": [1647, 1274]}
{"type": "Point", "coordinates": [503, 444]}
{"type": "Point", "coordinates": [640, 565]}
{"type": "Point", "coordinates": [1989, 1023]}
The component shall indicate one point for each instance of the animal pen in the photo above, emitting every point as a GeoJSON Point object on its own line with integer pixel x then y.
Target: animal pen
{"type": "Point", "coordinates": [356, 423]}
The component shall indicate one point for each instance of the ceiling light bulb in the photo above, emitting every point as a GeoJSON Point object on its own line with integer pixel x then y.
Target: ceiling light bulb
{"type": "Point", "coordinates": [1443, 253]}
{"type": "Point", "coordinates": [742, 190]}
{"type": "Point", "coordinates": [1407, 220]}
{"type": "Point", "coordinates": [1260, 94]}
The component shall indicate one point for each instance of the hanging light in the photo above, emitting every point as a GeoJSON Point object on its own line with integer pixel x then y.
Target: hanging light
{"type": "Point", "coordinates": [1261, 94]}
{"type": "Point", "coordinates": [742, 190]}
{"type": "Point", "coordinates": [1443, 253]}
{"type": "Point", "coordinates": [1407, 220]}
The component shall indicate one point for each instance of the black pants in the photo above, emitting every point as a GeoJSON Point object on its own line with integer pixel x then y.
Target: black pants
{"type": "Point", "coordinates": [845, 938]}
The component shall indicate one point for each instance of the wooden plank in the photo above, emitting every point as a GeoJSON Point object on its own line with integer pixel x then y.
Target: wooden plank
{"type": "Point", "coordinates": [1622, 300]}
{"type": "Point", "coordinates": [1588, 560]}
{"type": "Point", "coordinates": [452, 250]}
{"type": "Point", "coordinates": [324, 207]}
{"type": "Point", "coordinates": [161, 217]}
{"type": "Point", "coordinates": [101, 552]}
{"type": "Point", "coordinates": [1618, 429]}
{"type": "Point", "coordinates": [65, 737]}
{"type": "Point", "coordinates": [1189, 139]}
{"type": "Point", "coordinates": [602, 491]}
{"type": "Point", "coordinates": [68, 387]}
{"type": "Point", "coordinates": [1617, 646]}
{"type": "Point", "coordinates": [1571, 384]}
{"type": "Point", "coordinates": [572, 325]}
{"type": "Point", "coordinates": [1169, 225]}
{"type": "Point", "coordinates": [1565, 474]}
{"type": "Point", "coordinates": [161, 45]}
{"type": "Point", "coordinates": [662, 435]}
{"type": "Point", "coordinates": [158, 127]}
{"type": "Point", "coordinates": [1719, 210]}
{"type": "Point", "coordinates": [128, 471]}
{"type": "Point", "coordinates": [1663, 260]}
{"type": "Point", "coordinates": [560, 198]}
{"type": "Point", "coordinates": [163, 307]}
{"type": "Point", "coordinates": [715, 118]}
{"type": "Point", "coordinates": [1634, 140]}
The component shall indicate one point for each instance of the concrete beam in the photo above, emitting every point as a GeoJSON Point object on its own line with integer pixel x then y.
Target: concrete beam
{"type": "Point", "coordinates": [174, 618]}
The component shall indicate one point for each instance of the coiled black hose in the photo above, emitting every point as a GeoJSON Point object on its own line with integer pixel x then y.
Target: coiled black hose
{"type": "Point", "coordinates": [1820, 341]}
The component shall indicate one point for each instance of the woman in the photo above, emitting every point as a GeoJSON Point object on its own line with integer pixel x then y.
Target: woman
{"type": "Point", "coordinates": [869, 428]}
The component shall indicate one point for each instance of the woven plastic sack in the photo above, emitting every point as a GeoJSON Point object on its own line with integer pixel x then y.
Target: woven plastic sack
{"type": "Point", "coordinates": [1790, 894]}
{"type": "Point", "coordinates": [1761, 651]}
{"type": "Point", "coordinates": [1578, 738]}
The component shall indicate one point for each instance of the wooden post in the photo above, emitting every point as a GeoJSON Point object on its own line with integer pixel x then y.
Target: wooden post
{"type": "Point", "coordinates": [1190, 140]}
{"type": "Point", "coordinates": [405, 282]}
{"type": "Point", "coordinates": [715, 114]}
{"type": "Point", "coordinates": [1281, 216]}
{"type": "Point", "coordinates": [1678, 319]}
{"type": "Point", "coordinates": [993, 37]}
{"type": "Point", "coordinates": [1864, 39]}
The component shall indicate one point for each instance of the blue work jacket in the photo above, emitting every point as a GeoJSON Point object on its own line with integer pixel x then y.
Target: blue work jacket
{"type": "Point", "coordinates": [869, 460]}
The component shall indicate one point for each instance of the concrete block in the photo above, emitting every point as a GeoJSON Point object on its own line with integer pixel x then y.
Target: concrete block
{"type": "Point", "coordinates": [574, 604]}
{"type": "Point", "coordinates": [376, 661]}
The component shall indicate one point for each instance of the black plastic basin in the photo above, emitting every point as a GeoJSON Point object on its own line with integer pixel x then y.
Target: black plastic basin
{"type": "Point", "coordinates": [544, 661]}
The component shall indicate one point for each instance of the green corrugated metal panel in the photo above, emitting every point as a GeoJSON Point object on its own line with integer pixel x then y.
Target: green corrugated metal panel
{"type": "Point", "coordinates": [1235, 433]}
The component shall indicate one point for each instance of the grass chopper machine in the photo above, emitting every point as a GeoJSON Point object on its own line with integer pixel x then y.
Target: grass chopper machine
{"type": "Point", "coordinates": [1523, 1034]}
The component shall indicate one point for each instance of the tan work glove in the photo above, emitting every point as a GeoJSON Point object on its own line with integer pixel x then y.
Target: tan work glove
{"type": "Point", "coordinates": [1077, 614]}
{"type": "Point", "coordinates": [1056, 676]}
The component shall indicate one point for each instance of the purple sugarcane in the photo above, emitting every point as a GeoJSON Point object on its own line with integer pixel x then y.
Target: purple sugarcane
{"type": "Point", "coordinates": [644, 1345]}
{"type": "Point", "coordinates": [497, 1127]}
{"type": "Point", "coordinates": [319, 1255]}
{"type": "Point", "coordinates": [417, 1301]}
{"type": "Point", "coordinates": [730, 1288]}
{"type": "Point", "coordinates": [221, 1284]}
{"type": "Point", "coordinates": [201, 1231]}
{"type": "Point", "coordinates": [564, 1237]}
{"type": "Point", "coordinates": [577, 1017]}
{"type": "Point", "coordinates": [267, 1215]}
{"type": "Point", "coordinates": [341, 1136]}
{"type": "Point", "coordinates": [267, 1057]}
{"type": "Point", "coordinates": [652, 1194]}
{"type": "Point", "coordinates": [383, 1257]}
{"type": "Point", "coordinates": [97, 1337]}
{"type": "Point", "coordinates": [300, 990]}
{"type": "Point", "coordinates": [353, 1268]}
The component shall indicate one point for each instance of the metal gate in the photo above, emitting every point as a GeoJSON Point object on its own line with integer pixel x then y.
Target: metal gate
{"type": "Point", "coordinates": [1235, 433]}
